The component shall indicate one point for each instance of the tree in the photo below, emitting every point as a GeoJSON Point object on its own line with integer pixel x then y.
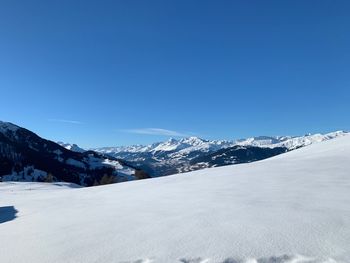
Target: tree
{"type": "Point", "coordinates": [107, 179]}
{"type": "Point", "coordinates": [49, 178]}
{"type": "Point", "coordinates": [140, 174]}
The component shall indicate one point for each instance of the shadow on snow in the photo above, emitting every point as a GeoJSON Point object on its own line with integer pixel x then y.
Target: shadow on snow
{"type": "Point", "coordinates": [7, 213]}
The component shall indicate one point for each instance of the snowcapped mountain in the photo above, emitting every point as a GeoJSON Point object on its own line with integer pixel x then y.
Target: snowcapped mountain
{"type": "Point", "coordinates": [185, 145]}
{"type": "Point", "coordinates": [71, 147]}
{"type": "Point", "coordinates": [289, 142]}
{"type": "Point", "coordinates": [292, 208]}
{"type": "Point", "coordinates": [188, 154]}
{"type": "Point", "coordinates": [24, 156]}
{"type": "Point", "coordinates": [164, 158]}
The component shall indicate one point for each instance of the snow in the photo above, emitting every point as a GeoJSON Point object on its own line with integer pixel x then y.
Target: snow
{"type": "Point", "coordinates": [71, 147]}
{"type": "Point", "coordinates": [290, 208]}
{"type": "Point", "coordinates": [7, 126]}
{"type": "Point", "coordinates": [182, 146]}
{"type": "Point", "coordinates": [58, 152]}
{"type": "Point", "coordinates": [76, 163]}
{"type": "Point", "coordinates": [18, 187]}
{"type": "Point", "coordinates": [290, 142]}
{"type": "Point", "coordinates": [28, 173]}
{"type": "Point", "coordinates": [122, 170]}
{"type": "Point", "coordinates": [170, 145]}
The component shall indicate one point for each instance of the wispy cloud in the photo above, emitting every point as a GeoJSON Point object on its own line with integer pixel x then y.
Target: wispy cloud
{"type": "Point", "coordinates": [156, 131]}
{"type": "Point", "coordinates": [65, 121]}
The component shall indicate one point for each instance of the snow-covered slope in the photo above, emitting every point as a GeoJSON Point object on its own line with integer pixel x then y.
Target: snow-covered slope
{"type": "Point", "coordinates": [289, 142]}
{"type": "Point", "coordinates": [290, 208]}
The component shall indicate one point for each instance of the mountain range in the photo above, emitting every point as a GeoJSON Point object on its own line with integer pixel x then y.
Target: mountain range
{"type": "Point", "coordinates": [193, 153]}
{"type": "Point", "coordinates": [24, 156]}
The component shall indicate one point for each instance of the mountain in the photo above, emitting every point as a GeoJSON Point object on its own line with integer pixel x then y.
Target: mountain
{"type": "Point", "coordinates": [24, 156]}
{"type": "Point", "coordinates": [193, 153]}
{"type": "Point", "coordinates": [72, 147]}
{"type": "Point", "coordinates": [164, 158]}
{"type": "Point", "coordinates": [289, 142]}
{"type": "Point", "coordinates": [232, 155]}
{"type": "Point", "coordinates": [293, 207]}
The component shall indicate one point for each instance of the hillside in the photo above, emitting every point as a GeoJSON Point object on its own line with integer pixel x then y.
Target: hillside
{"type": "Point", "coordinates": [24, 156]}
{"type": "Point", "coordinates": [290, 208]}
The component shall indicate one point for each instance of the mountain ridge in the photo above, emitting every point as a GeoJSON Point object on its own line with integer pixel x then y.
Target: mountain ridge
{"type": "Point", "coordinates": [262, 141]}
{"type": "Point", "coordinates": [25, 156]}
{"type": "Point", "coordinates": [192, 153]}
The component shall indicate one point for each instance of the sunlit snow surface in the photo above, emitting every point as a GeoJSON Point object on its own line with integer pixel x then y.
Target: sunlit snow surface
{"type": "Point", "coordinates": [294, 207]}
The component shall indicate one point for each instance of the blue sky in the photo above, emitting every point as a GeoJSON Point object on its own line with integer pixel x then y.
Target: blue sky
{"type": "Point", "coordinates": [101, 73]}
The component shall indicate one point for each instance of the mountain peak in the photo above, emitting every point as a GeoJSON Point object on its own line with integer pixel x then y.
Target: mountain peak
{"type": "Point", "coordinates": [172, 140]}
{"type": "Point", "coordinates": [193, 140]}
{"type": "Point", "coordinates": [72, 147]}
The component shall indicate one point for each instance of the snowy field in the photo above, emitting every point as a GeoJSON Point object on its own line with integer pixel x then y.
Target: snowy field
{"type": "Point", "coordinates": [291, 208]}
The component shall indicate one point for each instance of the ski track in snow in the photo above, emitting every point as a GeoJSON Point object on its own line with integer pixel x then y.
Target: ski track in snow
{"type": "Point", "coordinates": [273, 259]}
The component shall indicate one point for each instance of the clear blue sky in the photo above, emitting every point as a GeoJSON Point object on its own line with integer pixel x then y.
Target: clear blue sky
{"type": "Point", "coordinates": [101, 73]}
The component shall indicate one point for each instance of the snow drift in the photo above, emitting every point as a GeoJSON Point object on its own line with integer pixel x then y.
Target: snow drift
{"type": "Point", "coordinates": [291, 208]}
